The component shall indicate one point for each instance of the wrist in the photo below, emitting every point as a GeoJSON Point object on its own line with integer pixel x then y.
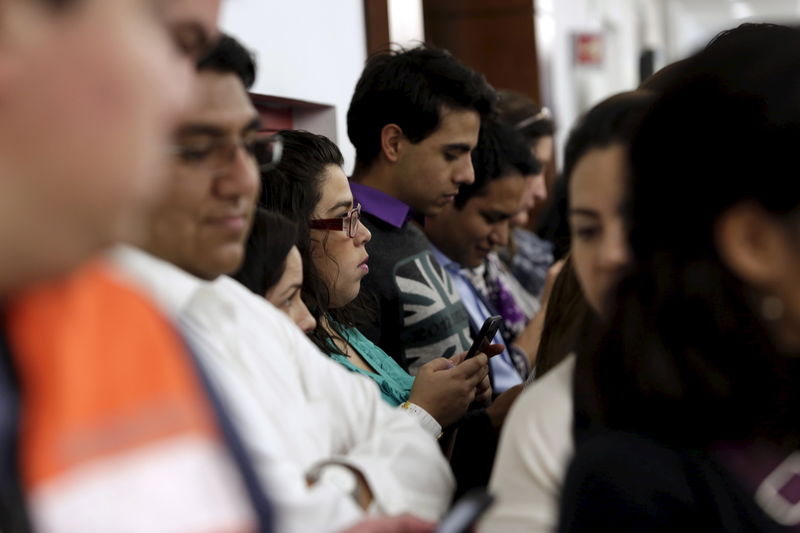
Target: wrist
{"type": "Point", "coordinates": [425, 419]}
{"type": "Point", "coordinates": [496, 417]}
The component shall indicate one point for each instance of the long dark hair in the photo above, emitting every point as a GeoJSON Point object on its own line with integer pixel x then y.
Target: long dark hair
{"type": "Point", "coordinates": [293, 188]}
{"type": "Point", "coordinates": [565, 316]}
{"type": "Point", "coordinates": [270, 241]}
{"type": "Point", "coordinates": [685, 356]}
{"type": "Point", "coordinates": [568, 314]}
{"type": "Point", "coordinates": [612, 121]}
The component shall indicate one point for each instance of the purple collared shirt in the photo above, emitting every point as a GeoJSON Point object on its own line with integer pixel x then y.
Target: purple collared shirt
{"type": "Point", "coordinates": [380, 205]}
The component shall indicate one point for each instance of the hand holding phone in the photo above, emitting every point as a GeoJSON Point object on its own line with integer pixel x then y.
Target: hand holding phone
{"type": "Point", "coordinates": [485, 336]}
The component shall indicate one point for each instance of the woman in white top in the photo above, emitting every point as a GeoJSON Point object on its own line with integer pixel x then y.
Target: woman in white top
{"type": "Point", "coordinates": [537, 443]}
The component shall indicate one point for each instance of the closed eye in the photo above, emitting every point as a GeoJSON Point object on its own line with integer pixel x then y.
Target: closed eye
{"type": "Point", "coordinates": [191, 154]}
{"type": "Point", "coordinates": [494, 218]}
{"type": "Point", "coordinates": [453, 152]}
{"type": "Point", "coordinates": [587, 233]}
{"type": "Point", "coordinates": [290, 298]}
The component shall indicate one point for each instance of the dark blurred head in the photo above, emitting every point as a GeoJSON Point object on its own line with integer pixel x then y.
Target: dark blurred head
{"type": "Point", "coordinates": [269, 242]}
{"type": "Point", "coordinates": [671, 75]}
{"type": "Point", "coordinates": [695, 352]}
{"type": "Point", "coordinates": [535, 124]}
{"type": "Point", "coordinates": [526, 116]}
{"type": "Point", "coordinates": [273, 267]}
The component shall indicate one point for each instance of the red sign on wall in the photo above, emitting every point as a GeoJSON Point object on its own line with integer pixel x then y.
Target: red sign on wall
{"type": "Point", "coordinates": [588, 49]}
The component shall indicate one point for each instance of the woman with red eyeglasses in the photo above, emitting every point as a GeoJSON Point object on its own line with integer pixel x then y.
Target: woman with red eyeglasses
{"type": "Point", "coordinates": [310, 188]}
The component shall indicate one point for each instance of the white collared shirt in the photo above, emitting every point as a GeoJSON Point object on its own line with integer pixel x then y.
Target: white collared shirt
{"type": "Point", "coordinates": [296, 408]}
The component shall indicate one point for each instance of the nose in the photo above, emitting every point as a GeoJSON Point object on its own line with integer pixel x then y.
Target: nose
{"type": "Point", "coordinates": [499, 234]}
{"type": "Point", "coordinates": [521, 219]}
{"type": "Point", "coordinates": [240, 179]}
{"type": "Point", "coordinates": [615, 254]}
{"type": "Point", "coordinates": [464, 174]}
{"type": "Point", "coordinates": [304, 319]}
{"type": "Point", "coordinates": [363, 235]}
{"type": "Point", "coordinates": [539, 188]}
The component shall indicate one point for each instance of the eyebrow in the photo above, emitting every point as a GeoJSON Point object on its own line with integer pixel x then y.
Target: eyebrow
{"type": "Point", "coordinates": [458, 147]}
{"type": "Point", "coordinates": [199, 129]}
{"type": "Point", "coordinates": [344, 203]}
{"type": "Point", "coordinates": [199, 43]}
{"type": "Point", "coordinates": [215, 131]}
{"type": "Point", "coordinates": [291, 289]}
{"type": "Point", "coordinates": [254, 124]}
{"type": "Point", "coordinates": [498, 215]}
{"type": "Point", "coordinates": [582, 211]}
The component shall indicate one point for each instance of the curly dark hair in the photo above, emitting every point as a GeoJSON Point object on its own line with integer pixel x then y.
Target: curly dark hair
{"type": "Point", "coordinates": [293, 189]}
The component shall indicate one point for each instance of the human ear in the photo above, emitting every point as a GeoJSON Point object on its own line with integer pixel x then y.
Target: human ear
{"type": "Point", "coordinates": [753, 245]}
{"type": "Point", "coordinates": [391, 141]}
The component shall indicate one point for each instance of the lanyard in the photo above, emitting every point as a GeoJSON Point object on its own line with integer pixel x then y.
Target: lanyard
{"type": "Point", "coordinates": [13, 515]}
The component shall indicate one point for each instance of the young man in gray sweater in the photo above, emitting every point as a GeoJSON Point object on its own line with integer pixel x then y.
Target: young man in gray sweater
{"type": "Point", "coordinates": [414, 120]}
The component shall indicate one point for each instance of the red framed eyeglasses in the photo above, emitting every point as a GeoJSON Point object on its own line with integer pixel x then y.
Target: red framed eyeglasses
{"type": "Point", "coordinates": [347, 223]}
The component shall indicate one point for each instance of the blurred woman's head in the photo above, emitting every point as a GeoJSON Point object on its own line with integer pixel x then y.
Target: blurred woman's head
{"type": "Point", "coordinates": [536, 126]}
{"type": "Point", "coordinates": [596, 172]}
{"type": "Point", "coordinates": [273, 267]}
{"type": "Point", "coordinates": [703, 324]}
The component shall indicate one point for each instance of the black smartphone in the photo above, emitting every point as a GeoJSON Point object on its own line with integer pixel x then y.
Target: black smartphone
{"type": "Point", "coordinates": [465, 512]}
{"type": "Point", "coordinates": [484, 338]}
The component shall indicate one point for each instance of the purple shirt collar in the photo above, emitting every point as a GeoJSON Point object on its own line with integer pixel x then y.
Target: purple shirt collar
{"type": "Point", "coordinates": [380, 205]}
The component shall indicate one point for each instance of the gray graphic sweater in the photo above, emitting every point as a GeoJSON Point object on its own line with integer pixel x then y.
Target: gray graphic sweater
{"type": "Point", "coordinates": [420, 315]}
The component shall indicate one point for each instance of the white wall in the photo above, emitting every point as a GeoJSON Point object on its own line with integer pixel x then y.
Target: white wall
{"type": "Point", "coordinates": [406, 22]}
{"type": "Point", "coordinates": [310, 50]}
{"type": "Point", "coordinates": [570, 90]}
{"type": "Point", "coordinates": [692, 23]}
